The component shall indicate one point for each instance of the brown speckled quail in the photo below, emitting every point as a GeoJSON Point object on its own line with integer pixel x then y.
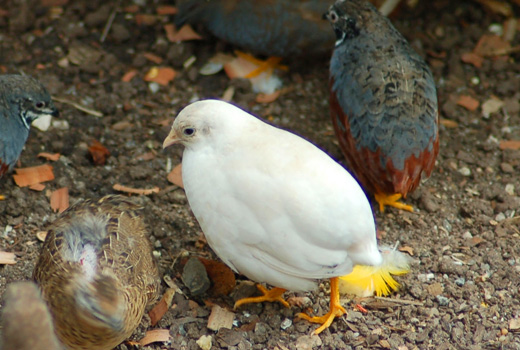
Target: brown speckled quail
{"type": "Point", "coordinates": [97, 272]}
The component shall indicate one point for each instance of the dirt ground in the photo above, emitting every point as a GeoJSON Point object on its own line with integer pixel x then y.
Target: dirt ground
{"type": "Point", "coordinates": [463, 290]}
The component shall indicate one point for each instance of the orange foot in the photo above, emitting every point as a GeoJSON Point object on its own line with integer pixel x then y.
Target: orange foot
{"type": "Point", "coordinates": [2, 197]}
{"type": "Point", "coordinates": [272, 295]}
{"type": "Point", "coordinates": [336, 310]}
{"type": "Point", "coordinates": [263, 66]}
{"type": "Point", "coordinates": [391, 200]}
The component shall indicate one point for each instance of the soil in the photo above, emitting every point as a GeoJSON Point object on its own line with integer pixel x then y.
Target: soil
{"type": "Point", "coordinates": [463, 290]}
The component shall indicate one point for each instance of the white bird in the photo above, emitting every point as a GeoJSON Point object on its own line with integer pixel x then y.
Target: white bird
{"type": "Point", "coordinates": [273, 206]}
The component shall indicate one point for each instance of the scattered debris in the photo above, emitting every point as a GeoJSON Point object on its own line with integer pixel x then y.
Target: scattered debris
{"type": "Point", "coordinates": [141, 191]}
{"type": "Point", "coordinates": [175, 176]}
{"type": "Point", "coordinates": [60, 200]}
{"type": "Point", "coordinates": [7, 258]}
{"type": "Point", "coordinates": [155, 335]}
{"type": "Point", "coordinates": [33, 175]}
{"type": "Point", "coordinates": [220, 318]}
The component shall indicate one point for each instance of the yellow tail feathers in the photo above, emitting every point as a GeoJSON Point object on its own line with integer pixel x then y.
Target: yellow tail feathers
{"type": "Point", "coordinates": [366, 281]}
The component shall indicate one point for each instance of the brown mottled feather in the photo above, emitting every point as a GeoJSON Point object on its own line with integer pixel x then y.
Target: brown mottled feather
{"type": "Point", "coordinates": [97, 273]}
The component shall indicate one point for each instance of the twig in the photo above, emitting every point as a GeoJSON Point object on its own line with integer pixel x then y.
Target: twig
{"type": "Point", "coordinates": [401, 301]}
{"type": "Point", "coordinates": [109, 23]}
{"type": "Point", "coordinates": [78, 106]}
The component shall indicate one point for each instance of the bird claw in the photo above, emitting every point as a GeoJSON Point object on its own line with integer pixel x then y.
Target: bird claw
{"type": "Point", "coordinates": [272, 295]}
{"type": "Point", "coordinates": [391, 200]}
{"type": "Point", "coordinates": [325, 320]}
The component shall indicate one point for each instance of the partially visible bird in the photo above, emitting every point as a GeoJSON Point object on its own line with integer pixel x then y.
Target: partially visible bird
{"type": "Point", "coordinates": [22, 100]}
{"type": "Point", "coordinates": [383, 103]}
{"type": "Point", "coordinates": [283, 28]}
{"type": "Point", "coordinates": [26, 323]}
{"type": "Point", "coordinates": [273, 206]}
{"type": "Point", "coordinates": [97, 273]}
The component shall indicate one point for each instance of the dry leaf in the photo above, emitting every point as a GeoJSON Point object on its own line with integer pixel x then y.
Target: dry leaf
{"type": "Point", "coordinates": [33, 175]}
{"type": "Point", "coordinates": [129, 76]}
{"type": "Point", "coordinates": [98, 152]}
{"type": "Point", "coordinates": [175, 176]}
{"type": "Point", "coordinates": [220, 318]}
{"type": "Point", "coordinates": [156, 335]}
{"type": "Point", "coordinates": [131, 190]}
{"type": "Point", "coordinates": [167, 10]}
{"type": "Point", "coordinates": [472, 58]}
{"type": "Point", "coordinates": [186, 33]}
{"type": "Point", "coordinates": [491, 45]}
{"type": "Point", "coordinates": [49, 156]}
{"type": "Point", "coordinates": [509, 144]}
{"type": "Point", "coordinates": [7, 258]}
{"type": "Point", "coordinates": [221, 276]}
{"type": "Point", "coordinates": [160, 75]}
{"type": "Point", "coordinates": [468, 102]}
{"type": "Point", "coordinates": [147, 20]}
{"type": "Point", "coordinates": [60, 200]}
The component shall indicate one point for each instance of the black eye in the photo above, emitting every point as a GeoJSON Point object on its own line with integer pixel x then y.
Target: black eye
{"type": "Point", "coordinates": [40, 104]}
{"type": "Point", "coordinates": [333, 17]}
{"type": "Point", "coordinates": [189, 131]}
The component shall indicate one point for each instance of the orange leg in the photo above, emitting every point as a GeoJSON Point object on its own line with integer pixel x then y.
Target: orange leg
{"type": "Point", "coordinates": [336, 310]}
{"type": "Point", "coordinates": [391, 200]}
{"type": "Point", "coordinates": [272, 295]}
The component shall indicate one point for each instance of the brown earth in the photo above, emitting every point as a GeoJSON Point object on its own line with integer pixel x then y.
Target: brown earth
{"type": "Point", "coordinates": [463, 290]}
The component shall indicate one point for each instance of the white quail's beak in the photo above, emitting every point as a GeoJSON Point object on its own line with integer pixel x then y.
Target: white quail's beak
{"type": "Point", "coordinates": [171, 139]}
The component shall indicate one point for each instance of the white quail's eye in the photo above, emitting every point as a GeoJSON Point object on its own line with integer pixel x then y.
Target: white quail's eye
{"type": "Point", "coordinates": [188, 131]}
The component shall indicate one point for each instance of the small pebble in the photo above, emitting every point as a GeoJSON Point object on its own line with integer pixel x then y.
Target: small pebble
{"type": "Point", "coordinates": [461, 281]}
{"type": "Point", "coordinates": [467, 235]}
{"type": "Point", "coordinates": [500, 217]}
{"type": "Point", "coordinates": [510, 189]}
{"type": "Point", "coordinates": [443, 301]}
{"type": "Point", "coordinates": [507, 168]}
{"type": "Point", "coordinates": [286, 324]}
{"type": "Point", "coordinates": [464, 171]}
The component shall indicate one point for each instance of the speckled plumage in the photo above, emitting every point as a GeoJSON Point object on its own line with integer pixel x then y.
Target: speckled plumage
{"type": "Point", "coordinates": [264, 27]}
{"type": "Point", "coordinates": [97, 273]}
{"type": "Point", "coordinates": [22, 100]}
{"type": "Point", "coordinates": [383, 101]}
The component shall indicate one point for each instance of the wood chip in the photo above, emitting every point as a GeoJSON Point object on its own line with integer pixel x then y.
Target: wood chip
{"type": "Point", "coordinates": [49, 156]}
{"type": "Point", "coordinates": [152, 57]}
{"type": "Point", "coordinates": [37, 187]}
{"type": "Point", "coordinates": [60, 200]}
{"type": "Point", "coordinates": [220, 318]}
{"type": "Point", "coordinates": [7, 258]}
{"type": "Point", "coordinates": [175, 176]}
{"type": "Point", "coordinates": [186, 33]}
{"type": "Point", "coordinates": [33, 175]}
{"type": "Point", "coordinates": [156, 335]}
{"type": "Point", "coordinates": [162, 306]}
{"type": "Point", "coordinates": [166, 10]}
{"type": "Point", "coordinates": [451, 124]}
{"type": "Point", "coordinates": [160, 75]}
{"type": "Point", "coordinates": [128, 76]}
{"type": "Point", "coordinates": [41, 235]}
{"type": "Point", "coordinates": [468, 102]}
{"type": "Point", "coordinates": [406, 249]}
{"type": "Point", "coordinates": [509, 144]}
{"type": "Point", "coordinates": [121, 188]}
